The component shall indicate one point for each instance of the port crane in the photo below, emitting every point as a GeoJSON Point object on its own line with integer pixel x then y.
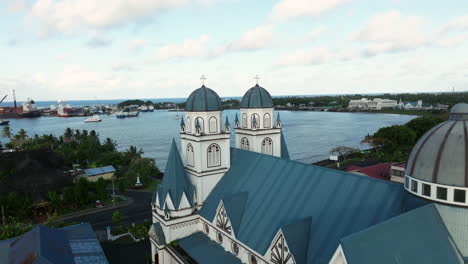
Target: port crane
{"type": "Point", "coordinates": [3, 99]}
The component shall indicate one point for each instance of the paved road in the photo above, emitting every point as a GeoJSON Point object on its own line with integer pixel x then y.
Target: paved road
{"type": "Point", "coordinates": [138, 211]}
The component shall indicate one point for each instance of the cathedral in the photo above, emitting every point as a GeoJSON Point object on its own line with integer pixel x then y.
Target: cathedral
{"type": "Point", "coordinates": [252, 204]}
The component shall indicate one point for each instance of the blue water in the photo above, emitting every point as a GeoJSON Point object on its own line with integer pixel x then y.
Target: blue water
{"type": "Point", "coordinates": [309, 135]}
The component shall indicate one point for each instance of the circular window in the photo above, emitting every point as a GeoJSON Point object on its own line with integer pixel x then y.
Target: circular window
{"type": "Point", "coordinates": [253, 259]}
{"type": "Point", "coordinates": [220, 237]}
{"type": "Point", "coordinates": [235, 248]}
{"type": "Point", "coordinates": [206, 228]}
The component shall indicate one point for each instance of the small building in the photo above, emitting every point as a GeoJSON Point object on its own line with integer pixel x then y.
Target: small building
{"type": "Point", "coordinates": [397, 172]}
{"type": "Point", "coordinates": [378, 171]}
{"type": "Point", "coordinates": [107, 173]}
{"type": "Point", "coordinates": [375, 104]}
{"type": "Point", "coordinates": [76, 244]}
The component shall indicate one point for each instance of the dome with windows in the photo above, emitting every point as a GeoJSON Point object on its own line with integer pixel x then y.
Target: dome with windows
{"type": "Point", "coordinates": [203, 99]}
{"type": "Point", "coordinates": [440, 156]}
{"type": "Point", "coordinates": [438, 165]}
{"type": "Point", "coordinates": [257, 97]}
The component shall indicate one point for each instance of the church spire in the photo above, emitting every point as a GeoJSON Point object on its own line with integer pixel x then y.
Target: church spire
{"type": "Point", "coordinates": [182, 125]}
{"type": "Point", "coordinates": [278, 121]}
{"type": "Point", "coordinates": [236, 122]}
{"type": "Point", "coordinates": [175, 183]}
{"type": "Point", "coordinates": [227, 126]}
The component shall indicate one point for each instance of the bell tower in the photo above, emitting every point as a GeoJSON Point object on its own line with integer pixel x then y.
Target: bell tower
{"type": "Point", "coordinates": [204, 141]}
{"type": "Point", "coordinates": [256, 130]}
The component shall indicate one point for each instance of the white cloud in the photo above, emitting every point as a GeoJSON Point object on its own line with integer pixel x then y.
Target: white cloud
{"type": "Point", "coordinates": [136, 44]}
{"type": "Point", "coordinates": [307, 57]}
{"type": "Point", "coordinates": [289, 9]}
{"type": "Point", "coordinates": [123, 67]}
{"type": "Point", "coordinates": [315, 33]}
{"type": "Point", "coordinates": [71, 16]}
{"type": "Point", "coordinates": [258, 38]}
{"type": "Point", "coordinates": [98, 42]}
{"type": "Point", "coordinates": [189, 48]}
{"type": "Point", "coordinates": [16, 5]}
{"type": "Point", "coordinates": [457, 24]}
{"type": "Point", "coordinates": [391, 32]}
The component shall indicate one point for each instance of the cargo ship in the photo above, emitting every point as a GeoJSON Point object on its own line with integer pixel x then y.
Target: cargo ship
{"type": "Point", "coordinates": [69, 111]}
{"type": "Point", "coordinates": [27, 110]}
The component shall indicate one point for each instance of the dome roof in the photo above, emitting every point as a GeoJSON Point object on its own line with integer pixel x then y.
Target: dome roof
{"type": "Point", "coordinates": [441, 155]}
{"type": "Point", "coordinates": [257, 97]}
{"type": "Point", "coordinates": [203, 99]}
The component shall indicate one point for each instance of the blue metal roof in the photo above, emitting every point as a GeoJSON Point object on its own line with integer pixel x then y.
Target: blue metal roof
{"type": "Point", "coordinates": [282, 191]}
{"type": "Point", "coordinates": [42, 244]}
{"type": "Point", "coordinates": [76, 244]}
{"type": "Point", "coordinates": [98, 171]}
{"type": "Point", "coordinates": [203, 250]}
{"type": "Point", "coordinates": [234, 205]}
{"type": "Point", "coordinates": [418, 236]}
{"type": "Point", "coordinates": [284, 148]}
{"type": "Point", "coordinates": [297, 236]}
{"type": "Point", "coordinates": [175, 180]}
{"type": "Point", "coordinates": [256, 97]}
{"type": "Point", "coordinates": [203, 99]}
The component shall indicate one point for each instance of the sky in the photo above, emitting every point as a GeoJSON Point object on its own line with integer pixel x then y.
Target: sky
{"type": "Point", "coordinates": [126, 49]}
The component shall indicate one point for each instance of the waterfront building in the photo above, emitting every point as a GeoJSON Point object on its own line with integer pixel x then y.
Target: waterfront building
{"type": "Point", "coordinates": [76, 244]}
{"type": "Point", "coordinates": [412, 105]}
{"type": "Point", "coordinates": [374, 104]}
{"type": "Point", "coordinates": [252, 204]}
{"type": "Point", "coordinates": [94, 174]}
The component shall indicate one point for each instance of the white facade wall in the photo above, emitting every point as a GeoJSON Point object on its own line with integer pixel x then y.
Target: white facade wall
{"type": "Point", "coordinates": [265, 129]}
{"type": "Point", "coordinates": [261, 112]}
{"type": "Point", "coordinates": [256, 137]}
{"type": "Point", "coordinates": [204, 117]}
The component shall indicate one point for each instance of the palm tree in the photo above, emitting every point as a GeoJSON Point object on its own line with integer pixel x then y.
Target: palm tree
{"type": "Point", "coordinates": [109, 144]}
{"type": "Point", "coordinates": [133, 152]}
{"type": "Point", "coordinates": [22, 134]}
{"type": "Point", "coordinates": [6, 132]}
{"type": "Point", "coordinates": [68, 133]}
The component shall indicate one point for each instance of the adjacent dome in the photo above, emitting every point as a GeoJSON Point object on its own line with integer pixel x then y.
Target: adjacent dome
{"type": "Point", "coordinates": [441, 155]}
{"type": "Point", "coordinates": [257, 97]}
{"type": "Point", "coordinates": [203, 99]}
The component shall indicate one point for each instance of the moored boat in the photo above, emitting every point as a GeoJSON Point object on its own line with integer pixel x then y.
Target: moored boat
{"type": "Point", "coordinates": [4, 122]}
{"type": "Point", "coordinates": [93, 119]}
{"type": "Point", "coordinates": [122, 114]}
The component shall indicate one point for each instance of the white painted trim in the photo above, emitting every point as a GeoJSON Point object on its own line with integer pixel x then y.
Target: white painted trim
{"type": "Point", "coordinates": [168, 203]}
{"type": "Point", "coordinates": [339, 252]}
{"type": "Point", "coordinates": [247, 248]}
{"type": "Point", "coordinates": [270, 248]}
{"type": "Point", "coordinates": [184, 203]}
{"type": "Point", "coordinates": [433, 197]}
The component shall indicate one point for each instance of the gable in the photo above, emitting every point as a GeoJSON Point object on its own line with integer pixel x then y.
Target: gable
{"type": "Point", "coordinates": [281, 191]}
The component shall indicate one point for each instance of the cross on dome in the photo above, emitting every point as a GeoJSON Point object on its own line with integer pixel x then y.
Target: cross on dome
{"type": "Point", "coordinates": [256, 78]}
{"type": "Point", "coordinates": [203, 78]}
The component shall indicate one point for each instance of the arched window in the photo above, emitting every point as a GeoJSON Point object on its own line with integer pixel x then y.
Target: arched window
{"type": "Point", "coordinates": [214, 155]}
{"type": "Point", "coordinates": [189, 125]}
{"type": "Point", "coordinates": [244, 120]}
{"type": "Point", "coordinates": [213, 125]}
{"type": "Point", "coordinates": [190, 155]}
{"type": "Point", "coordinates": [201, 123]}
{"type": "Point", "coordinates": [255, 120]}
{"type": "Point", "coordinates": [267, 120]}
{"type": "Point", "coordinates": [267, 146]}
{"type": "Point", "coordinates": [245, 144]}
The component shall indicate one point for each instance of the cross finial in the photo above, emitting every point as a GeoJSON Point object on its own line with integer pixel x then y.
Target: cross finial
{"type": "Point", "coordinates": [256, 78]}
{"type": "Point", "coordinates": [203, 78]}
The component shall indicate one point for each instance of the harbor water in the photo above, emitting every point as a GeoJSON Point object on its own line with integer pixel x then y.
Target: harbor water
{"type": "Point", "coordinates": [309, 135]}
